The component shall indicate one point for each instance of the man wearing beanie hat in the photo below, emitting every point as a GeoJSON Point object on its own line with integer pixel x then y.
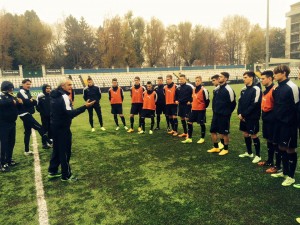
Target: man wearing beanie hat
{"type": "Point", "coordinates": [43, 107]}
{"type": "Point", "coordinates": [8, 117]}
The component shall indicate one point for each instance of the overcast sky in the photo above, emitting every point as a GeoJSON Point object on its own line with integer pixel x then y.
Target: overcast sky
{"type": "Point", "coordinates": [205, 12]}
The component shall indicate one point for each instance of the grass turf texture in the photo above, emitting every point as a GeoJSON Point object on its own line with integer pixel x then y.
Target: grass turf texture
{"type": "Point", "coordinates": [148, 179]}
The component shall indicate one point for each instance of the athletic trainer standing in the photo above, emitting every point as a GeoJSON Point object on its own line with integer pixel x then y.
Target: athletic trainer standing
{"type": "Point", "coordinates": [62, 114]}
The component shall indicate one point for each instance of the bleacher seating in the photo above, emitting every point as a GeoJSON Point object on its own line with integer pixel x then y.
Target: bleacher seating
{"type": "Point", "coordinates": [39, 81]}
{"type": "Point", "coordinates": [126, 79]}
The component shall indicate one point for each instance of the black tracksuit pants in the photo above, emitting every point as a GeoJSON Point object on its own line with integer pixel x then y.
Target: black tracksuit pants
{"type": "Point", "coordinates": [97, 108]}
{"type": "Point", "coordinates": [62, 143]}
{"type": "Point", "coordinates": [29, 122]}
{"type": "Point", "coordinates": [46, 126]}
{"type": "Point", "coordinates": [7, 142]}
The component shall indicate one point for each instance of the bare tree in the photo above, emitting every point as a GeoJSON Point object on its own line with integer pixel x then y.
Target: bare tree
{"type": "Point", "coordinates": [235, 30]}
{"type": "Point", "coordinates": [111, 39]}
{"type": "Point", "coordinates": [212, 48]}
{"type": "Point", "coordinates": [56, 47]}
{"type": "Point", "coordinates": [154, 41]}
{"type": "Point", "coordinates": [184, 40]}
{"type": "Point", "coordinates": [171, 46]}
{"type": "Point", "coordinates": [256, 45]}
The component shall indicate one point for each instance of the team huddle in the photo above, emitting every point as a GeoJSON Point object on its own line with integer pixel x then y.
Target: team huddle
{"type": "Point", "coordinates": [278, 105]}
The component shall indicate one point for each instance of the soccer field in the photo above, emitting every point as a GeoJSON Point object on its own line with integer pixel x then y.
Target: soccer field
{"type": "Point", "coordinates": [148, 179]}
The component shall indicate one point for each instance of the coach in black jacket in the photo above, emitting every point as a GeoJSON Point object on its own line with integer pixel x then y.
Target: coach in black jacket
{"type": "Point", "coordinates": [92, 93]}
{"type": "Point", "coordinates": [8, 117]}
{"type": "Point", "coordinates": [249, 111]}
{"type": "Point", "coordinates": [25, 112]}
{"type": "Point", "coordinates": [43, 107]}
{"type": "Point", "coordinates": [62, 114]}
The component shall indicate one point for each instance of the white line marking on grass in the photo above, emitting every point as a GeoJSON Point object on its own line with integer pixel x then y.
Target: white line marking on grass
{"type": "Point", "coordinates": [42, 205]}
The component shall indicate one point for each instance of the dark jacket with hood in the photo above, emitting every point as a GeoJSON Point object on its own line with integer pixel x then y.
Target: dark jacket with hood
{"type": "Point", "coordinates": [43, 102]}
{"type": "Point", "coordinates": [61, 110]}
{"type": "Point", "coordinates": [8, 108]}
{"type": "Point", "coordinates": [27, 106]}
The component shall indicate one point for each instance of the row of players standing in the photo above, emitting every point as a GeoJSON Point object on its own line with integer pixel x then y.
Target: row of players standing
{"type": "Point", "coordinates": [279, 106]}
{"type": "Point", "coordinates": [192, 104]}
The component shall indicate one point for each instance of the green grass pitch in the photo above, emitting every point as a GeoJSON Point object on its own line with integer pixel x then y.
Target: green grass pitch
{"type": "Point", "coordinates": [148, 179]}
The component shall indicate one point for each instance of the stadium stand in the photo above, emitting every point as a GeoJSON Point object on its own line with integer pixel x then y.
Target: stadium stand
{"type": "Point", "coordinates": [126, 78]}
{"type": "Point", "coordinates": [39, 81]}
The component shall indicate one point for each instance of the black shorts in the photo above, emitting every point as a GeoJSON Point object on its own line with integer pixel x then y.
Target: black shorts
{"type": "Point", "coordinates": [285, 135]}
{"type": "Point", "coordinates": [116, 109]}
{"type": "Point", "coordinates": [198, 116]}
{"type": "Point", "coordinates": [171, 110]}
{"type": "Point", "coordinates": [220, 124]}
{"type": "Point", "coordinates": [268, 130]}
{"type": "Point", "coordinates": [250, 126]}
{"type": "Point", "coordinates": [147, 113]}
{"type": "Point", "coordinates": [160, 109]}
{"type": "Point", "coordinates": [184, 110]}
{"type": "Point", "coordinates": [136, 108]}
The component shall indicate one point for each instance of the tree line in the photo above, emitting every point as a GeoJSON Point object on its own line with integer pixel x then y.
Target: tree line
{"type": "Point", "coordinates": [127, 40]}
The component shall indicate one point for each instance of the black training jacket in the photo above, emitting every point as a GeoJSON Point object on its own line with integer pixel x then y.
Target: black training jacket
{"type": "Point", "coordinates": [250, 103]}
{"type": "Point", "coordinates": [43, 103]}
{"type": "Point", "coordinates": [224, 100]}
{"type": "Point", "coordinates": [161, 100]}
{"type": "Point", "coordinates": [92, 93]}
{"type": "Point", "coordinates": [8, 109]}
{"type": "Point", "coordinates": [27, 106]}
{"type": "Point", "coordinates": [61, 109]}
{"type": "Point", "coordinates": [184, 93]}
{"type": "Point", "coordinates": [286, 100]}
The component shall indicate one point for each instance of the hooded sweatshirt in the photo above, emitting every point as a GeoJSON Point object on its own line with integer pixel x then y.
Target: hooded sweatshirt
{"type": "Point", "coordinates": [43, 102]}
{"type": "Point", "coordinates": [8, 108]}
